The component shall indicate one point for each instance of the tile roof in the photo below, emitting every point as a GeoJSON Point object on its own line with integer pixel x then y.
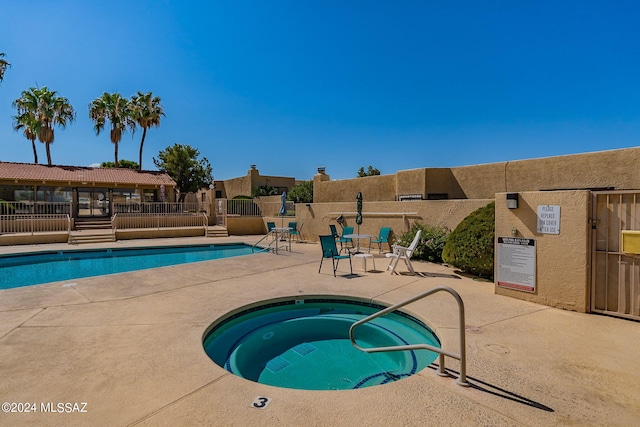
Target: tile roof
{"type": "Point", "coordinates": [35, 172]}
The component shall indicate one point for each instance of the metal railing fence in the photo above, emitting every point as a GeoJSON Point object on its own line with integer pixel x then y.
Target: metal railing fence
{"type": "Point", "coordinates": [34, 223]}
{"type": "Point", "coordinates": [156, 208]}
{"type": "Point", "coordinates": [243, 207]}
{"type": "Point", "coordinates": [130, 220]}
{"type": "Point", "coordinates": [39, 208]}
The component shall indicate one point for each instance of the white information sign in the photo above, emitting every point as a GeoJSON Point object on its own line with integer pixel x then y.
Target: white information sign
{"type": "Point", "coordinates": [549, 219]}
{"type": "Point", "coordinates": [517, 263]}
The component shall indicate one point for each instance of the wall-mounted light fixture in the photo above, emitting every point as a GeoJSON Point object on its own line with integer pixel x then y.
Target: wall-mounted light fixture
{"type": "Point", "coordinates": [512, 200]}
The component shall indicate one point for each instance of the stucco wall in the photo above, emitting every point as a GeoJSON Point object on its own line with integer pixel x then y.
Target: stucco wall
{"type": "Point", "coordinates": [481, 181]}
{"type": "Point", "coordinates": [245, 225]}
{"type": "Point", "coordinates": [562, 260]}
{"type": "Point", "coordinates": [270, 205]}
{"type": "Point", "coordinates": [373, 188]}
{"type": "Point", "coordinates": [33, 239]}
{"type": "Point", "coordinates": [317, 217]}
{"type": "Point", "coordinates": [606, 169]}
{"type": "Point", "coordinates": [237, 187]}
{"type": "Point", "coordinates": [412, 181]}
{"type": "Point", "coordinates": [589, 170]}
{"type": "Point", "coordinates": [157, 233]}
{"type": "Point", "coordinates": [242, 186]}
{"type": "Point", "coordinates": [443, 181]}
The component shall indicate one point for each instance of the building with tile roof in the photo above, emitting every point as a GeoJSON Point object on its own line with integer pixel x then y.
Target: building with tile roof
{"type": "Point", "coordinates": [90, 191]}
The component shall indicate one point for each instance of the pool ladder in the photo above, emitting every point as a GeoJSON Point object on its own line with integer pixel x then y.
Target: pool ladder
{"type": "Point", "coordinates": [462, 357]}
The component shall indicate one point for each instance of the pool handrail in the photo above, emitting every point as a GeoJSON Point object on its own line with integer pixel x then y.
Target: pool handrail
{"type": "Point", "coordinates": [462, 357]}
{"type": "Point", "coordinates": [268, 248]}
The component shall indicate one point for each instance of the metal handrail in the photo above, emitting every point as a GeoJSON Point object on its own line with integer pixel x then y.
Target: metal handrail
{"type": "Point", "coordinates": [462, 357]}
{"type": "Point", "coordinates": [114, 222]}
{"type": "Point", "coordinates": [273, 233]}
{"type": "Point", "coordinates": [256, 243]}
{"type": "Point", "coordinates": [205, 222]}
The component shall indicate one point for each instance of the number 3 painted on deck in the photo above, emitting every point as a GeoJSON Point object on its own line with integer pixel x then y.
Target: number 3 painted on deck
{"type": "Point", "coordinates": [260, 402]}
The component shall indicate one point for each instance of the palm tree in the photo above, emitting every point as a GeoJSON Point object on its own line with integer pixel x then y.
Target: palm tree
{"type": "Point", "coordinates": [3, 65]}
{"type": "Point", "coordinates": [29, 125]}
{"type": "Point", "coordinates": [146, 111]}
{"type": "Point", "coordinates": [114, 108]}
{"type": "Point", "coordinates": [48, 110]}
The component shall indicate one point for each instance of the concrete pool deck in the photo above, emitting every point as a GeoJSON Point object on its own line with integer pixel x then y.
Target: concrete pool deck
{"type": "Point", "coordinates": [129, 345]}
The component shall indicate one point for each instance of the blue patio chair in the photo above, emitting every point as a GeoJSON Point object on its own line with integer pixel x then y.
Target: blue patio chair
{"type": "Point", "coordinates": [334, 231]}
{"type": "Point", "coordinates": [330, 250]}
{"type": "Point", "coordinates": [383, 237]}
{"type": "Point", "coordinates": [295, 231]}
{"type": "Point", "coordinates": [271, 226]}
{"type": "Point", "coordinates": [345, 240]}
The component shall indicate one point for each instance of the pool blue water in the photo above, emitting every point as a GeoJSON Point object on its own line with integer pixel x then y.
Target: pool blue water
{"type": "Point", "coordinates": [43, 267]}
{"type": "Point", "coordinates": [306, 345]}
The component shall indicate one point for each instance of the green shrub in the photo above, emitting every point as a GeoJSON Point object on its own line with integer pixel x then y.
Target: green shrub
{"type": "Point", "coordinates": [301, 193]}
{"type": "Point", "coordinates": [263, 190]}
{"type": "Point", "coordinates": [431, 242]}
{"type": "Point", "coordinates": [470, 246]}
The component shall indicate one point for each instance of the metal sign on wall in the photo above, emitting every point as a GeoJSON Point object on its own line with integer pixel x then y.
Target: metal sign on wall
{"type": "Point", "coordinates": [517, 263]}
{"type": "Point", "coordinates": [549, 219]}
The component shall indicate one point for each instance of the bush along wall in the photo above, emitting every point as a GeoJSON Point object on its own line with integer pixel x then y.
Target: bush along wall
{"type": "Point", "coordinates": [432, 241]}
{"type": "Point", "coordinates": [470, 246]}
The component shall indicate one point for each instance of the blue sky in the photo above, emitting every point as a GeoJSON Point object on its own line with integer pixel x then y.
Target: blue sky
{"type": "Point", "coordinates": [293, 85]}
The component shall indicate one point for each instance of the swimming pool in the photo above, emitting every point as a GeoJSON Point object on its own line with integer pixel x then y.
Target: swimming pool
{"type": "Point", "coordinates": [17, 270]}
{"type": "Point", "coordinates": [304, 344]}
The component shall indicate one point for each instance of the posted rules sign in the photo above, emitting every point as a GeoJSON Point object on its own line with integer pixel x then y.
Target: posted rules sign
{"type": "Point", "coordinates": [517, 263]}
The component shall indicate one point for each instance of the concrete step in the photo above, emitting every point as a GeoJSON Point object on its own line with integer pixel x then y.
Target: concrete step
{"type": "Point", "coordinates": [93, 224]}
{"type": "Point", "coordinates": [217, 231]}
{"type": "Point", "coordinates": [77, 238]}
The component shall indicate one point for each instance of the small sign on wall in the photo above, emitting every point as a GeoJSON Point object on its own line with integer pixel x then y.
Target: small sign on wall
{"type": "Point", "coordinates": [630, 242]}
{"type": "Point", "coordinates": [517, 263]}
{"type": "Point", "coordinates": [548, 219]}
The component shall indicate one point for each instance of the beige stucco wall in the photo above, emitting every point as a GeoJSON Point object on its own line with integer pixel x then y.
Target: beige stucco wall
{"type": "Point", "coordinates": [606, 169]}
{"type": "Point", "coordinates": [270, 205]}
{"type": "Point", "coordinates": [481, 181]}
{"type": "Point", "coordinates": [412, 181]}
{"type": "Point", "coordinates": [237, 187]}
{"type": "Point", "coordinates": [242, 186]}
{"type": "Point", "coordinates": [157, 233]}
{"type": "Point", "coordinates": [317, 217]}
{"type": "Point", "coordinates": [33, 239]}
{"type": "Point", "coordinates": [373, 188]}
{"type": "Point", "coordinates": [562, 260]}
{"type": "Point", "coordinates": [443, 181]}
{"type": "Point", "coordinates": [245, 225]}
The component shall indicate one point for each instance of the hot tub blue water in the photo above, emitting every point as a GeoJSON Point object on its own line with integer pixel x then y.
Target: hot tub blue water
{"type": "Point", "coordinates": [35, 268]}
{"type": "Point", "coordinates": [304, 344]}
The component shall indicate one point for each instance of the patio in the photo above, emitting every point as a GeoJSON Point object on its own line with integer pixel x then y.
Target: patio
{"type": "Point", "coordinates": [130, 346]}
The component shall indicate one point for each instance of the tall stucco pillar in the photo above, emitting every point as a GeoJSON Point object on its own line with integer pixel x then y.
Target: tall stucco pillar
{"type": "Point", "coordinates": [321, 176]}
{"type": "Point", "coordinates": [254, 177]}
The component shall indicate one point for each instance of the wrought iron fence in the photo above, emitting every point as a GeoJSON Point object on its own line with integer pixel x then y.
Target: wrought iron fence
{"type": "Point", "coordinates": [243, 207]}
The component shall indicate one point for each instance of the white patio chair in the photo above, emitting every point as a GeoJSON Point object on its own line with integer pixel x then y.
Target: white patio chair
{"type": "Point", "coordinates": [402, 253]}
